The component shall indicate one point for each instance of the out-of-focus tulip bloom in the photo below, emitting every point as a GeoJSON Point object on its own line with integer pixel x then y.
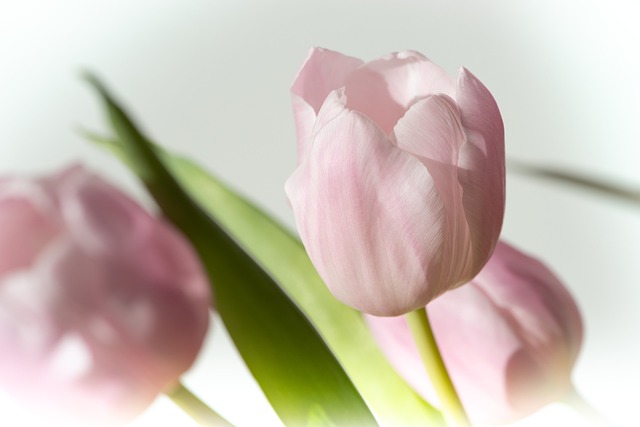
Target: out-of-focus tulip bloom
{"type": "Point", "coordinates": [509, 339]}
{"type": "Point", "coordinates": [399, 191]}
{"type": "Point", "coordinates": [102, 306]}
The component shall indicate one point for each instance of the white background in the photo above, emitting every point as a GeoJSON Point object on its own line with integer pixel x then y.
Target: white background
{"type": "Point", "coordinates": [211, 79]}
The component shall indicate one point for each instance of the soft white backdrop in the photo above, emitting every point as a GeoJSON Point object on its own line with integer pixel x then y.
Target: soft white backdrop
{"type": "Point", "coordinates": [211, 78]}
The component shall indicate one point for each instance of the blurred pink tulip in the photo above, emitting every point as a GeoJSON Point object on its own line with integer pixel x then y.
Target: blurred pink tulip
{"type": "Point", "coordinates": [509, 339]}
{"type": "Point", "coordinates": [399, 191]}
{"type": "Point", "coordinates": [102, 306]}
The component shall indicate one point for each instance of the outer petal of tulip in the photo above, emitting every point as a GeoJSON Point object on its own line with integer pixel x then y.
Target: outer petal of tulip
{"type": "Point", "coordinates": [509, 338]}
{"type": "Point", "coordinates": [108, 313]}
{"type": "Point", "coordinates": [436, 119]}
{"type": "Point", "coordinates": [322, 72]}
{"type": "Point", "coordinates": [27, 216]}
{"type": "Point", "coordinates": [481, 164]}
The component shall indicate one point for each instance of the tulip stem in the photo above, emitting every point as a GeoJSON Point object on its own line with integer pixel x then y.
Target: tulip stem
{"type": "Point", "coordinates": [200, 412]}
{"type": "Point", "coordinates": [451, 406]}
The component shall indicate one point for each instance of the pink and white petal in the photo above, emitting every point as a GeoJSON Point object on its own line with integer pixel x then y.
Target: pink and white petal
{"type": "Point", "coordinates": [167, 259]}
{"type": "Point", "coordinates": [101, 218]}
{"type": "Point", "coordinates": [33, 309]}
{"type": "Point", "coordinates": [384, 89]}
{"type": "Point", "coordinates": [103, 302]}
{"type": "Point", "coordinates": [27, 224]}
{"type": "Point", "coordinates": [467, 322]}
{"type": "Point", "coordinates": [90, 300]}
{"type": "Point", "coordinates": [26, 331]}
{"type": "Point", "coordinates": [167, 279]}
{"type": "Point", "coordinates": [482, 165]}
{"type": "Point", "coordinates": [333, 106]}
{"type": "Point", "coordinates": [304, 118]}
{"type": "Point", "coordinates": [143, 318]}
{"type": "Point", "coordinates": [551, 324]}
{"type": "Point", "coordinates": [68, 282]}
{"type": "Point", "coordinates": [431, 130]}
{"type": "Point", "coordinates": [95, 385]}
{"type": "Point", "coordinates": [322, 72]}
{"type": "Point", "coordinates": [369, 216]}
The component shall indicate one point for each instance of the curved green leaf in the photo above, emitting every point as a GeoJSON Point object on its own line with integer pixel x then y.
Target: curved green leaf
{"type": "Point", "coordinates": [343, 328]}
{"type": "Point", "coordinates": [299, 375]}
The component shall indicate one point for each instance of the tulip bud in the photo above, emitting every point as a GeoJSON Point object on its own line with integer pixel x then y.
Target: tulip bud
{"type": "Point", "coordinates": [509, 339]}
{"type": "Point", "coordinates": [399, 191]}
{"type": "Point", "coordinates": [102, 306]}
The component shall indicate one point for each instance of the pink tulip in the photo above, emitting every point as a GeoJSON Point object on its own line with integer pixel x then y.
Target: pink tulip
{"type": "Point", "coordinates": [509, 339]}
{"type": "Point", "coordinates": [102, 306]}
{"type": "Point", "coordinates": [399, 191]}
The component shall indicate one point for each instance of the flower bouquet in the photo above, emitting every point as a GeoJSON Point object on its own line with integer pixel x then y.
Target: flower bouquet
{"type": "Point", "coordinates": [398, 305]}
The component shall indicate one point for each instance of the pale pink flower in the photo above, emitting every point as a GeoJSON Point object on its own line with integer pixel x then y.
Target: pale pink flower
{"type": "Point", "coordinates": [399, 191]}
{"type": "Point", "coordinates": [509, 339]}
{"type": "Point", "coordinates": [102, 306]}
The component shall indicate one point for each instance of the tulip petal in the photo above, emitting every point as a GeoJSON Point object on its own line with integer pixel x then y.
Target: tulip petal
{"type": "Point", "coordinates": [482, 168]}
{"type": "Point", "coordinates": [359, 203]}
{"type": "Point", "coordinates": [384, 89]}
{"type": "Point", "coordinates": [165, 260]}
{"type": "Point", "coordinates": [27, 223]}
{"type": "Point", "coordinates": [331, 109]}
{"type": "Point", "coordinates": [431, 130]}
{"type": "Point", "coordinates": [101, 218]}
{"type": "Point", "coordinates": [322, 72]}
{"type": "Point", "coordinates": [145, 259]}
{"type": "Point", "coordinates": [110, 315]}
{"type": "Point", "coordinates": [44, 335]}
{"type": "Point", "coordinates": [552, 319]}
{"type": "Point", "coordinates": [304, 117]}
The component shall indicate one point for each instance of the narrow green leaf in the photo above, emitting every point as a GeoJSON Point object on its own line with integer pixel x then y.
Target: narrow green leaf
{"type": "Point", "coordinates": [343, 328]}
{"type": "Point", "coordinates": [299, 375]}
{"type": "Point", "coordinates": [576, 179]}
{"type": "Point", "coordinates": [282, 254]}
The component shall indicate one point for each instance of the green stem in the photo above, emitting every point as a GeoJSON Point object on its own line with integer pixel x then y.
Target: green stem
{"type": "Point", "coordinates": [580, 405]}
{"type": "Point", "coordinates": [452, 409]}
{"type": "Point", "coordinates": [196, 408]}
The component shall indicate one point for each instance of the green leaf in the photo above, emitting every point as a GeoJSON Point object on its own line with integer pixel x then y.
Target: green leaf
{"type": "Point", "coordinates": [343, 328]}
{"type": "Point", "coordinates": [299, 375]}
{"type": "Point", "coordinates": [284, 257]}
{"type": "Point", "coordinates": [578, 180]}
